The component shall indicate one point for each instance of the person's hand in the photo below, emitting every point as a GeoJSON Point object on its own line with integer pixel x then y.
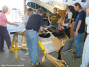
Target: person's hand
{"type": "Point", "coordinates": [76, 34]}
{"type": "Point", "coordinates": [50, 22]}
{"type": "Point", "coordinates": [41, 28]}
{"type": "Point", "coordinates": [16, 25]}
{"type": "Point", "coordinates": [68, 26]}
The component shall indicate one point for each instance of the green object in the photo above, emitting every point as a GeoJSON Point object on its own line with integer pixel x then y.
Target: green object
{"type": "Point", "coordinates": [54, 18]}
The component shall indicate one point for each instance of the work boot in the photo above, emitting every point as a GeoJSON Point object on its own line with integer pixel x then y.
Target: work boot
{"type": "Point", "coordinates": [74, 56]}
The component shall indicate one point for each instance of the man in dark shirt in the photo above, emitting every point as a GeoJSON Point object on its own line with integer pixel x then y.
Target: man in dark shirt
{"type": "Point", "coordinates": [79, 29]}
{"type": "Point", "coordinates": [34, 22]}
{"type": "Point", "coordinates": [33, 25]}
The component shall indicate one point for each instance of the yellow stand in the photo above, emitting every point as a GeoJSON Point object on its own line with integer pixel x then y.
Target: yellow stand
{"type": "Point", "coordinates": [14, 48]}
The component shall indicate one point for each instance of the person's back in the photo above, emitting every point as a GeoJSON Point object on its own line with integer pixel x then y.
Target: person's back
{"type": "Point", "coordinates": [2, 19]}
{"type": "Point", "coordinates": [34, 22]}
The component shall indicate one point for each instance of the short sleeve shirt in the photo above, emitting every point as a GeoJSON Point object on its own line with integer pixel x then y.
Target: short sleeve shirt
{"type": "Point", "coordinates": [2, 19]}
{"type": "Point", "coordinates": [54, 18]}
{"type": "Point", "coordinates": [69, 14]}
{"type": "Point", "coordinates": [87, 22]}
{"type": "Point", "coordinates": [80, 17]}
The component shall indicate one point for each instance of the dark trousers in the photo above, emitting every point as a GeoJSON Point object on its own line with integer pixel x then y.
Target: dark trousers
{"type": "Point", "coordinates": [4, 36]}
{"type": "Point", "coordinates": [67, 31]}
{"type": "Point", "coordinates": [59, 54]}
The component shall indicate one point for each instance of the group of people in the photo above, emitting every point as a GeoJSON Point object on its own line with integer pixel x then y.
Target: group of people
{"type": "Point", "coordinates": [81, 20]}
{"type": "Point", "coordinates": [34, 23]}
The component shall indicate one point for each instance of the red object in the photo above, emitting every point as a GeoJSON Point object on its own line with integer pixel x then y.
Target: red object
{"type": "Point", "coordinates": [43, 50]}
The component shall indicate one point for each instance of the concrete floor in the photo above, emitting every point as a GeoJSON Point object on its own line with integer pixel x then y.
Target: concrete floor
{"type": "Point", "coordinates": [7, 58]}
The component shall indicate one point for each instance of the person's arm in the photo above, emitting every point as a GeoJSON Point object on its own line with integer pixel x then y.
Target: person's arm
{"type": "Point", "coordinates": [78, 27]}
{"type": "Point", "coordinates": [49, 19]}
{"type": "Point", "coordinates": [70, 21]}
{"type": "Point", "coordinates": [11, 23]}
{"type": "Point", "coordinates": [42, 26]}
{"type": "Point", "coordinates": [59, 19]}
{"type": "Point", "coordinates": [70, 17]}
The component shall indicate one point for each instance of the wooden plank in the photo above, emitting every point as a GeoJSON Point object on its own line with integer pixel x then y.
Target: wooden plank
{"type": "Point", "coordinates": [59, 43]}
{"type": "Point", "coordinates": [56, 62]}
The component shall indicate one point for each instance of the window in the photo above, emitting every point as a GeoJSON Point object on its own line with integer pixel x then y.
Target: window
{"type": "Point", "coordinates": [83, 0]}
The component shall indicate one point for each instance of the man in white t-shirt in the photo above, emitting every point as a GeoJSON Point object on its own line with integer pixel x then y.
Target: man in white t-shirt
{"type": "Point", "coordinates": [68, 16]}
{"type": "Point", "coordinates": [68, 21]}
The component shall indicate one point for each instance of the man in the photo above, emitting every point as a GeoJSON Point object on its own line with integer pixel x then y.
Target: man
{"type": "Point", "coordinates": [68, 20]}
{"type": "Point", "coordinates": [79, 29]}
{"type": "Point", "coordinates": [29, 13]}
{"type": "Point", "coordinates": [53, 19]}
{"type": "Point", "coordinates": [33, 25]}
{"type": "Point", "coordinates": [4, 35]}
{"type": "Point", "coordinates": [68, 16]}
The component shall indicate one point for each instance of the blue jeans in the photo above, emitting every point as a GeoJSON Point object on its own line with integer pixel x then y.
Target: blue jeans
{"type": "Point", "coordinates": [32, 43]}
{"type": "Point", "coordinates": [78, 42]}
{"type": "Point", "coordinates": [56, 26]}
